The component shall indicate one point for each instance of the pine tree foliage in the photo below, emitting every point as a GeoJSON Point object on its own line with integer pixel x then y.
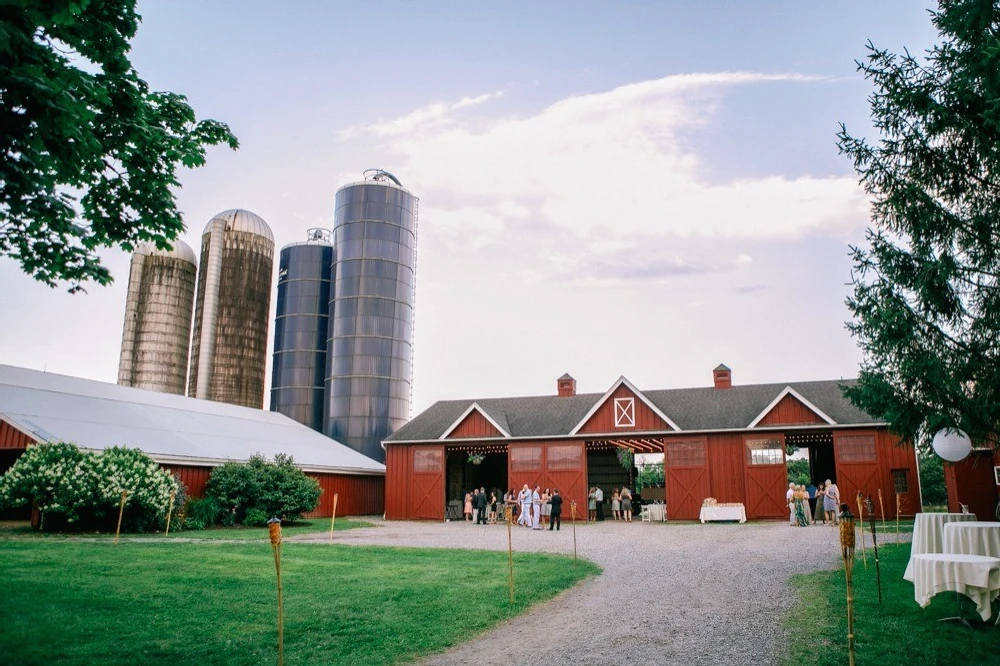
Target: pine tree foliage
{"type": "Point", "coordinates": [926, 286]}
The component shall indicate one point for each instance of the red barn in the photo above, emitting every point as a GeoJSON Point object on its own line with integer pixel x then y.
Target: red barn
{"type": "Point", "coordinates": [723, 441]}
{"type": "Point", "coordinates": [975, 482]}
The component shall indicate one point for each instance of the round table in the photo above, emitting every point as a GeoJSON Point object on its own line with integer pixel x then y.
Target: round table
{"type": "Point", "coordinates": [928, 530]}
{"type": "Point", "coordinates": [972, 538]}
{"type": "Point", "coordinates": [975, 576]}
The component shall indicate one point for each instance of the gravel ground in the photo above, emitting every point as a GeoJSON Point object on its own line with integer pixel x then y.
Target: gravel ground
{"type": "Point", "coordinates": [670, 593]}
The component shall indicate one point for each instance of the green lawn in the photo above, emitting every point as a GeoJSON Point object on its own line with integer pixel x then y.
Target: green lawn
{"type": "Point", "coordinates": [22, 529]}
{"type": "Point", "coordinates": [897, 632]}
{"type": "Point", "coordinates": [89, 602]}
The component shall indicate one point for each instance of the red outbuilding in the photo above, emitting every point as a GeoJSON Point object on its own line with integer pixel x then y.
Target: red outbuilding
{"type": "Point", "coordinates": [724, 441]}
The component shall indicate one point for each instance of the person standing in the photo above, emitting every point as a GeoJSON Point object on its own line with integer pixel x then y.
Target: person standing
{"type": "Point", "coordinates": [591, 506]}
{"type": "Point", "coordinates": [555, 515]}
{"type": "Point", "coordinates": [468, 506]}
{"type": "Point", "coordinates": [524, 499]}
{"type": "Point", "coordinates": [480, 503]}
{"type": "Point", "coordinates": [831, 502]}
{"type": "Point", "coordinates": [790, 501]}
{"type": "Point", "coordinates": [599, 500]}
{"type": "Point", "coordinates": [536, 508]}
{"type": "Point", "coordinates": [811, 489]}
{"type": "Point", "coordinates": [820, 513]}
{"type": "Point", "coordinates": [616, 504]}
{"type": "Point", "coordinates": [546, 506]}
{"type": "Point", "coordinates": [627, 504]}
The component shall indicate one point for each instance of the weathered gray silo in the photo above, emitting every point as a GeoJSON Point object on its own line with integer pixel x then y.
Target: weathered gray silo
{"type": "Point", "coordinates": [229, 343]}
{"type": "Point", "coordinates": [301, 322]}
{"type": "Point", "coordinates": [369, 352]}
{"type": "Point", "coordinates": [158, 307]}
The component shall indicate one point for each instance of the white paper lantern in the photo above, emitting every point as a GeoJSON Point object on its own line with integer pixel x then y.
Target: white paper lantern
{"type": "Point", "coordinates": [952, 445]}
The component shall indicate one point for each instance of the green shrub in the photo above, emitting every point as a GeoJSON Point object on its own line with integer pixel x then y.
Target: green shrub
{"type": "Point", "coordinates": [255, 518]}
{"type": "Point", "coordinates": [148, 487]}
{"type": "Point", "coordinates": [193, 524]}
{"type": "Point", "coordinates": [204, 512]}
{"type": "Point", "coordinates": [275, 489]}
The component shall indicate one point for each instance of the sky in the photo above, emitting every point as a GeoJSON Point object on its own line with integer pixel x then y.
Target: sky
{"type": "Point", "coordinates": [644, 189]}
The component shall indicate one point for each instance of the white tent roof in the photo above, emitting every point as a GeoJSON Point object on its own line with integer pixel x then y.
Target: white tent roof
{"type": "Point", "coordinates": [172, 429]}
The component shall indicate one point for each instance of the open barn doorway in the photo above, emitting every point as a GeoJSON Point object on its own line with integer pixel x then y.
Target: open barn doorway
{"type": "Point", "coordinates": [815, 449]}
{"type": "Point", "coordinates": [469, 467]}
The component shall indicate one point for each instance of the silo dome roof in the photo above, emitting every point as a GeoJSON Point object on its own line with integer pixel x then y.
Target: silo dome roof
{"type": "Point", "coordinates": [238, 219]}
{"type": "Point", "coordinates": [181, 251]}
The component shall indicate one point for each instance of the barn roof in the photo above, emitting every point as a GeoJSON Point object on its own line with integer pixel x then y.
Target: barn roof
{"type": "Point", "coordinates": [692, 409]}
{"type": "Point", "coordinates": [172, 429]}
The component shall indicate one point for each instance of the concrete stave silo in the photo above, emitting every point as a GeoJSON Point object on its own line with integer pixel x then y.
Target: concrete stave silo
{"type": "Point", "coordinates": [369, 351]}
{"type": "Point", "coordinates": [158, 308]}
{"type": "Point", "coordinates": [229, 341]}
{"type": "Point", "coordinates": [301, 324]}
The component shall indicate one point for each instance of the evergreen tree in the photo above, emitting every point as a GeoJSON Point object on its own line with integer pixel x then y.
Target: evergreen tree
{"type": "Point", "coordinates": [926, 287]}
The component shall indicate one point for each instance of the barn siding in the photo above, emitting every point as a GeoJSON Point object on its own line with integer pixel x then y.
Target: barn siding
{"type": "Point", "coordinates": [397, 475]}
{"type": "Point", "coordinates": [356, 495]}
{"type": "Point", "coordinates": [193, 478]}
{"type": "Point", "coordinates": [425, 499]}
{"type": "Point", "coordinates": [725, 468]}
{"type": "Point", "coordinates": [12, 438]}
{"type": "Point", "coordinates": [603, 419]}
{"type": "Point", "coordinates": [475, 425]}
{"type": "Point", "coordinates": [572, 482]}
{"type": "Point", "coordinates": [893, 455]}
{"type": "Point", "coordinates": [766, 485]}
{"type": "Point", "coordinates": [971, 482]}
{"type": "Point", "coordinates": [790, 411]}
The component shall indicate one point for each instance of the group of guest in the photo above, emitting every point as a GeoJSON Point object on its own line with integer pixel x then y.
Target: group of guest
{"type": "Point", "coordinates": [621, 504]}
{"type": "Point", "coordinates": [480, 507]}
{"type": "Point", "coordinates": [535, 508]}
{"type": "Point", "coordinates": [807, 505]}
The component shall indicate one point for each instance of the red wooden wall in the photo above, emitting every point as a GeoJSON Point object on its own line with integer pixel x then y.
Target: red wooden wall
{"type": "Point", "coordinates": [869, 476]}
{"type": "Point", "coordinates": [193, 478]}
{"type": "Point", "coordinates": [475, 425]}
{"type": "Point", "coordinates": [790, 410]}
{"type": "Point", "coordinates": [766, 485]}
{"type": "Point", "coordinates": [727, 482]}
{"type": "Point", "coordinates": [971, 482]}
{"type": "Point", "coordinates": [356, 495]}
{"type": "Point", "coordinates": [425, 486]}
{"type": "Point", "coordinates": [561, 465]}
{"type": "Point", "coordinates": [687, 480]}
{"type": "Point", "coordinates": [603, 419]}
{"type": "Point", "coordinates": [12, 438]}
{"type": "Point", "coordinates": [397, 475]}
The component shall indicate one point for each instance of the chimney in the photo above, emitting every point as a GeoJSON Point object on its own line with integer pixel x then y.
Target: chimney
{"type": "Point", "coordinates": [723, 377]}
{"type": "Point", "coordinates": [566, 386]}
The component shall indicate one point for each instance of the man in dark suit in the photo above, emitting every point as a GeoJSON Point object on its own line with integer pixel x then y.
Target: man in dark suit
{"type": "Point", "coordinates": [480, 502]}
{"type": "Point", "coordinates": [555, 517]}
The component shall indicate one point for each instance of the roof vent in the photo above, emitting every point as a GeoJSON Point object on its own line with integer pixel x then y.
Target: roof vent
{"type": "Point", "coordinates": [566, 386]}
{"type": "Point", "coordinates": [723, 377]}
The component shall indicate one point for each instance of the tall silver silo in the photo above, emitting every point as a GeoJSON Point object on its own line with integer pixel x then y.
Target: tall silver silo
{"type": "Point", "coordinates": [371, 312]}
{"type": "Point", "coordinates": [229, 343]}
{"type": "Point", "coordinates": [301, 322]}
{"type": "Point", "coordinates": [158, 307]}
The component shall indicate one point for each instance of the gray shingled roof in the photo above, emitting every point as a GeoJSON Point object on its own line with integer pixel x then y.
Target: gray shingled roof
{"type": "Point", "coordinates": [692, 409]}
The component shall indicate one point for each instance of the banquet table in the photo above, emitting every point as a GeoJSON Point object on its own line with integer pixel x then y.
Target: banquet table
{"type": "Point", "coordinates": [657, 511]}
{"type": "Point", "coordinates": [975, 576]}
{"type": "Point", "coordinates": [928, 530]}
{"type": "Point", "coordinates": [972, 538]}
{"type": "Point", "coordinates": [723, 513]}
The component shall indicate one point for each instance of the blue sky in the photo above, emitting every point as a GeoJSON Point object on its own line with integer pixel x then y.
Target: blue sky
{"type": "Point", "coordinates": [646, 189]}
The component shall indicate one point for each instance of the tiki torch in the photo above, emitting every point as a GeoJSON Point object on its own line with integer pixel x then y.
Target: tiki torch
{"type": "Point", "coordinates": [871, 521]}
{"type": "Point", "coordinates": [572, 513]}
{"type": "Point", "coordinates": [847, 552]}
{"type": "Point", "coordinates": [861, 527]}
{"type": "Point", "coordinates": [333, 517]}
{"type": "Point", "coordinates": [121, 511]}
{"type": "Point", "coordinates": [508, 514]}
{"type": "Point", "coordinates": [898, 508]}
{"type": "Point", "coordinates": [881, 508]}
{"type": "Point", "coordinates": [170, 509]}
{"type": "Point", "coordinates": [274, 531]}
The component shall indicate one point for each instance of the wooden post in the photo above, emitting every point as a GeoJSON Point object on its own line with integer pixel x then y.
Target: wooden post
{"type": "Point", "coordinates": [847, 551]}
{"type": "Point", "coordinates": [509, 514]}
{"type": "Point", "coordinates": [878, 570]}
{"type": "Point", "coordinates": [861, 526]}
{"type": "Point", "coordinates": [121, 511]}
{"type": "Point", "coordinates": [898, 506]}
{"type": "Point", "coordinates": [333, 518]}
{"type": "Point", "coordinates": [170, 510]}
{"type": "Point", "coordinates": [572, 511]}
{"type": "Point", "coordinates": [274, 532]}
{"type": "Point", "coordinates": [881, 508]}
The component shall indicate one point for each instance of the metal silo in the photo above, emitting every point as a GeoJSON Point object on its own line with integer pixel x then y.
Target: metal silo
{"type": "Point", "coordinates": [157, 331]}
{"type": "Point", "coordinates": [301, 324]}
{"type": "Point", "coordinates": [371, 312]}
{"type": "Point", "coordinates": [229, 344]}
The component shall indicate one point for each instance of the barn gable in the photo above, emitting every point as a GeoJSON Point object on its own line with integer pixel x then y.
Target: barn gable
{"type": "Point", "coordinates": [623, 409]}
{"type": "Point", "coordinates": [477, 422]}
{"type": "Point", "coordinates": [790, 408]}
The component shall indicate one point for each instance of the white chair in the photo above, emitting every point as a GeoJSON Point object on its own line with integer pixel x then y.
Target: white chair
{"type": "Point", "coordinates": [644, 514]}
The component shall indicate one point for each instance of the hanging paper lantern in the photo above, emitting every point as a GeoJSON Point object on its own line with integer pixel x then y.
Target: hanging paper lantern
{"type": "Point", "coordinates": [951, 444]}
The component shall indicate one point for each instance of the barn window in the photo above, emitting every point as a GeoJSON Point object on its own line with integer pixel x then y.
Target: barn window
{"type": "Point", "coordinates": [899, 481]}
{"type": "Point", "coordinates": [565, 457]}
{"type": "Point", "coordinates": [765, 451]}
{"type": "Point", "coordinates": [689, 453]}
{"type": "Point", "coordinates": [427, 461]}
{"type": "Point", "coordinates": [856, 448]}
{"type": "Point", "coordinates": [525, 458]}
{"type": "Point", "coordinates": [624, 412]}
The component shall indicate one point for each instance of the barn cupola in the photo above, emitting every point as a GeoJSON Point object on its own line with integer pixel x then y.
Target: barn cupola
{"type": "Point", "coordinates": [566, 386]}
{"type": "Point", "coordinates": [723, 377]}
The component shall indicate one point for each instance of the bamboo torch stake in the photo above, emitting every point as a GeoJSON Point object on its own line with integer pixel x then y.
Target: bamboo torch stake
{"type": "Point", "coordinates": [333, 518]}
{"type": "Point", "coordinates": [861, 526]}
{"type": "Point", "coordinates": [274, 531]}
{"type": "Point", "coordinates": [170, 510]}
{"type": "Point", "coordinates": [847, 551]}
{"type": "Point", "coordinates": [898, 506]}
{"type": "Point", "coordinates": [881, 508]}
{"type": "Point", "coordinates": [878, 570]}
{"type": "Point", "coordinates": [572, 512]}
{"type": "Point", "coordinates": [121, 511]}
{"type": "Point", "coordinates": [509, 515]}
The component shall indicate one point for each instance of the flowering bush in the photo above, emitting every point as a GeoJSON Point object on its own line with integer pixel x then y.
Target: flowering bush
{"type": "Point", "coordinates": [247, 491]}
{"type": "Point", "coordinates": [83, 490]}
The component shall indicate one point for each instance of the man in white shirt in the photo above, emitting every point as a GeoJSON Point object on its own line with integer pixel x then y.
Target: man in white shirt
{"type": "Point", "coordinates": [524, 499]}
{"type": "Point", "coordinates": [791, 505]}
{"type": "Point", "coordinates": [536, 508]}
{"type": "Point", "coordinates": [599, 499]}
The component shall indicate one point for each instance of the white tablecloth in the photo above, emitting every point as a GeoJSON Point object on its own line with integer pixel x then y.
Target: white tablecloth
{"type": "Point", "coordinates": [656, 511]}
{"type": "Point", "coordinates": [972, 538]}
{"type": "Point", "coordinates": [928, 534]}
{"type": "Point", "coordinates": [724, 513]}
{"type": "Point", "coordinates": [975, 576]}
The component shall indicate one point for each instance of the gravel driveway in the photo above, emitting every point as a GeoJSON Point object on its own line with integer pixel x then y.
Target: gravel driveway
{"type": "Point", "coordinates": [670, 593]}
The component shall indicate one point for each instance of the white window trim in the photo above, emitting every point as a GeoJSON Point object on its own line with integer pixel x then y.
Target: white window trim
{"type": "Point", "coordinates": [614, 387]}
{"type": "Point", "coordinates": [624, 412]}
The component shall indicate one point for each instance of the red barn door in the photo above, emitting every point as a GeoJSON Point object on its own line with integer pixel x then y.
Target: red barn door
{"type": "Point", "coordinates": [686, 477]}
{"type": "Point", "coordinates": [858, 470]}
{"type": "Point", "coordinates": [766, 476]}
{"type": "Point", "coordinates": [426, 496]}
{"type": "Point", "coordinates": [566, 469]}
